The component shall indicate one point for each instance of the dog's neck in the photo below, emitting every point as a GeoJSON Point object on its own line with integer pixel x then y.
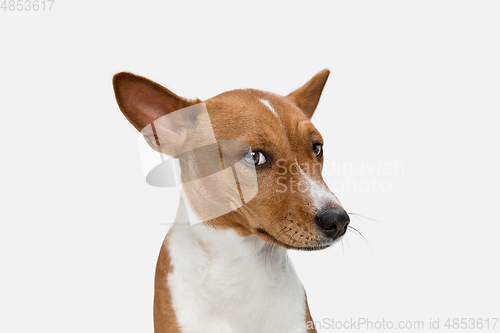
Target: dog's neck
{"type": "Point", "coordinates": [223, 247]}
{"type": "Point", "coordinates": [216, 271]}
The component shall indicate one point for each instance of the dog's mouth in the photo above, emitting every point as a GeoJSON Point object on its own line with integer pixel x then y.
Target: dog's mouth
{"type": "Point", "coordinates": [272, 240]}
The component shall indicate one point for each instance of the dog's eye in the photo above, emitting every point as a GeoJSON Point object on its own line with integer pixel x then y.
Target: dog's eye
{"type": "Point", "coordinates": [318, 149]}
{"type": "Point", "coordinates": [255, 158]}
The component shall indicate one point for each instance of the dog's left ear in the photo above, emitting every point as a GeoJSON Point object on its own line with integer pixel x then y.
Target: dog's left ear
{"type": "Point", "coordinates": [307, 96]}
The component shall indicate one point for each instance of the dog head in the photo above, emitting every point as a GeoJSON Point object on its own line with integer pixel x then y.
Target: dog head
{"type": "Point", "coordinates": [269, 137]}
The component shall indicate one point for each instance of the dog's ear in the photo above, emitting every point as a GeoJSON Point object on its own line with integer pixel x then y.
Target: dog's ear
{"type": "Point", "coordinates": [143, 101]}
{"type": "Point", "coordinates": [307, 96]}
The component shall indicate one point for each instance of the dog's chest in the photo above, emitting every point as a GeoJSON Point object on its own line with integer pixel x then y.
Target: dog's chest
{"type": "Point", "coordinates": [222, 282]}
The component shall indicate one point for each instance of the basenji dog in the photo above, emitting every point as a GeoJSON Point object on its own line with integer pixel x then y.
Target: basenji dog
{"type": "Point", "coordinates": [228, 271]}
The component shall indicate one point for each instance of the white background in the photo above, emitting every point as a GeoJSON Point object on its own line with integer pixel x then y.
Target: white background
{"type": "Point", "coordinates": [413, 83]}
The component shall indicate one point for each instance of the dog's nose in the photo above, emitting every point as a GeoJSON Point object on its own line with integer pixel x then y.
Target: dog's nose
{"type": "Point", "coordinates": [333, 221]}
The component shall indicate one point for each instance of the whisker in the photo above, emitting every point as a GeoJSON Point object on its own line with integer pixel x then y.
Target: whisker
{"type": "Point", "coordinates": [269, 249]}
{"type": "Point", "coordinates": [296, 232]}
{"type": "Point", "coordinates": [348, 243]}
{"type": "Point", "coordinates": [272, 239]}
{"type": "Point", "coordinates": [359, 234]}
{"type": "Point", "coordinates": [356, 231]}
{"type": "Point", "coordinates": [279, 233]}
{"type": "Point", "coordinates": [362, 221]}
{"type": "Point", "coordinates": [365, 217]}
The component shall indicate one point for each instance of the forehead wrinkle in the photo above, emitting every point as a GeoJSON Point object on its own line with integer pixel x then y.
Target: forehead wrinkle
{"type": "Point", "coordinates": [254, 140]}
{"type": "Point", "coordinates": [309, 130]}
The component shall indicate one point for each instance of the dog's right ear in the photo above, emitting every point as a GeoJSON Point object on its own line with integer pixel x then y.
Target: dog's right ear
{"type": "Point", "coordinates": [143, 101]}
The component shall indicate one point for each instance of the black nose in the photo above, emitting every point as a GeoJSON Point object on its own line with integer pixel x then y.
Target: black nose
{"type": "Point", "coordinates": [333, 221]}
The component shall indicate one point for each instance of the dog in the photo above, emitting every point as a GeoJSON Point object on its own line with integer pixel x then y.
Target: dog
{"type": "Point", "coordinates": [228, 270]}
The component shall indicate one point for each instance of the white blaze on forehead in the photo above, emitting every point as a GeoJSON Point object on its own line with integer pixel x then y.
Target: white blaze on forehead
{"type": "Point", "coordinates": [269, 106]}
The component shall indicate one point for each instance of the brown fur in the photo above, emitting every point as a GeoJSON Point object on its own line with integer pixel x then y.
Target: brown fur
{"type": "Point", "coordinates": [227, 112]}
{"type": "Point", "coordinates": [309, 320]}
{"type": "Point", "coordinates": [163, 313]}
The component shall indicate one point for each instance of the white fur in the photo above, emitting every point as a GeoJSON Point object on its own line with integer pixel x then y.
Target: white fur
{"type": "Point", "coordinates": [224, 283]}
{"type": "Point", "coordinates": [321, 196]}
{"type": "Point", "coordinates": [269, 106]}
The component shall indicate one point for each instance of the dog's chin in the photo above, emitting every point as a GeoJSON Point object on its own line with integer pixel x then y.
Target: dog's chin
{"type": "Point", "coordinates": [268, 238]}
{"type": "Point", "coordinates": [319, 247]}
